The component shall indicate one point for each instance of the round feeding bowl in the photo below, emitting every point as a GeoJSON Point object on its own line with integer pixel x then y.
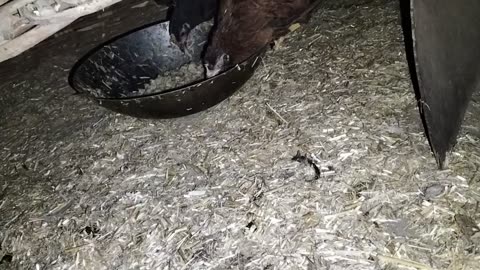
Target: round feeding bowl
{"type": "Point", "coordinates": [124, 75]}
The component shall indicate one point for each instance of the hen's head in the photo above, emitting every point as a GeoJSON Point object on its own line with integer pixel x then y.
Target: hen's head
{"type": "Point", "coordinates": [215, 61]}
{"type": "Point", "coordinates": [218, 55]}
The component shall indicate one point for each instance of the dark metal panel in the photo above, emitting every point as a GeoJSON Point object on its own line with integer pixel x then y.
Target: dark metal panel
{"type": "Point", "coordinates": [445, 40]}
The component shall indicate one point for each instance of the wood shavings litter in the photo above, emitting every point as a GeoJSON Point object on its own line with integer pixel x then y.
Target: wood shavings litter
{"type": "Point", "coordinates": [304, 159]}
{"type": "Point", "coordinates": [467, 225]}
{"type": "Point", "coordinates": [433, 191]}
{"type": "Point", "coordinates": [185, 75]}
{"type": "Point", "coordinates": [218, 190]}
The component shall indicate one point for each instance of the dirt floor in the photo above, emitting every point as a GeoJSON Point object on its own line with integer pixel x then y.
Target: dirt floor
{"type": "Point", "coordinates": [84, 188]}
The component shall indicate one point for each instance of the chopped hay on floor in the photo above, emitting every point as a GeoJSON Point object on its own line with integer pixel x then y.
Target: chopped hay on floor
{"type": "Point", "coordinates": [85, 188]}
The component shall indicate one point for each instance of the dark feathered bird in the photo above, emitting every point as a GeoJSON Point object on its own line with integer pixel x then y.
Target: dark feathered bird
{"type": "Point", "coordinates": [186, 15]}
{"type": "Point", "coordinates": [245, 26]}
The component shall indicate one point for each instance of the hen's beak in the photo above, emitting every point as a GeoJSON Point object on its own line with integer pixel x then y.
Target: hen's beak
{"type": "Point", "coordinates": [211, 72]}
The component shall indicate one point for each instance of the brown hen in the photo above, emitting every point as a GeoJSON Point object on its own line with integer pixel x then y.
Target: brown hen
{"type": "Point", "coordinates": [245, 26]}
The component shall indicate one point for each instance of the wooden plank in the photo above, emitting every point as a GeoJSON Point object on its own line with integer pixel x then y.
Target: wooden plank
{"type": "Point", "coordinates": [70, 44]}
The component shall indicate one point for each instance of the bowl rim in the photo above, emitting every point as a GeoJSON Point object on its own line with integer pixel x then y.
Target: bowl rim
{"type": "Point", "coordinates": [257, 54]}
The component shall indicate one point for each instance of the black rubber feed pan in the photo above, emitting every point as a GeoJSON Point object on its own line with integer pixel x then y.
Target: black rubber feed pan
{"type": "Point", "coordinates": [119, 75]}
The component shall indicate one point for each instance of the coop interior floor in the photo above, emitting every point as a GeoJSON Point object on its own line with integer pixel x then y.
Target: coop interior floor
{"type": "Point", "coordinates": [86, 188]}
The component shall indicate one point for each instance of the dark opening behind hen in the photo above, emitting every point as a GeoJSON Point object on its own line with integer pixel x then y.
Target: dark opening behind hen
{"type": "Point", "coordinates": [186, 15]}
